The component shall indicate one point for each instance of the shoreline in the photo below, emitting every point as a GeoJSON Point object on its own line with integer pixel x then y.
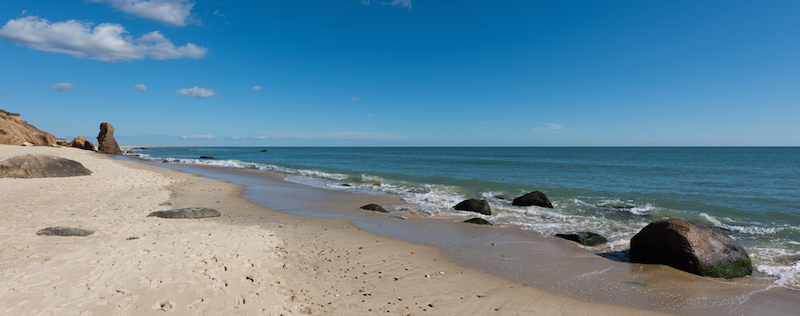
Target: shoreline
{"type": "Point", "coordinates": [553, 265]}
{"type": "Point", "coordinates": [302, 254]}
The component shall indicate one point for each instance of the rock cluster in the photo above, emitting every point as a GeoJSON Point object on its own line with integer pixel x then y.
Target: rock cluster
{"type": "Point", "coordinates": [690, 247]}
{"type": "Point", "coordinates": [15, 131]}
{"type": "Point", "coordinates": [41, 166]}
{"type": "Point", "coordinates": [82, 143]}
{"type": "Point", "coordinates": [106, 142]}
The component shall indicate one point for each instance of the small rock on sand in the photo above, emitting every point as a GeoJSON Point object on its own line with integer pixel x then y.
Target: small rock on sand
{"type": "Point", "coordinates": [189, 212]}
{"type": "Point", "coordinates": [65, 231]}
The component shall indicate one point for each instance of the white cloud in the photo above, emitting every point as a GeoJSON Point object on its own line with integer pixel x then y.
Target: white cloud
{"type": "Point", "coordinates": [216, 12]}
{"type": "Point", "coordinates": [257, 87]}
{"type": "Point", "coordinates": [199, 137]}
{"type": "Point", "coordinates": [60, 86]}
{"type": "Point", "coordinates": [106, 42]}
{"type": "Point", "coordinates": [355, 99]}
{"type": "Point", "coordinates": [140, 87]}
{"type": "Point", "coordinates": [169, 12]}
{"type": "Point", "coordinates": [551, 128]}
{"type": "Point", "coordinates": [399, 3]}
{"type": "Point", "coordinates": [196, 92]}
{"type": "Point", "coordinates": [364, 2]}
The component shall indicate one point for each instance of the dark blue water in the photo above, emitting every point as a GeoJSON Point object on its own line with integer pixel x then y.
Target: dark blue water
{"type": "Point", "coordinates": [751, 194]}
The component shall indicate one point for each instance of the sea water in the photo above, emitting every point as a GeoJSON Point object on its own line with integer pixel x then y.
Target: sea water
{"type": "Point", "coordinates": [749, 194]}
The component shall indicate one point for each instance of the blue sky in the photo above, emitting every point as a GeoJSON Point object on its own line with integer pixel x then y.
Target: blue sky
{"type": "Point", "coordinates": [406, 72]}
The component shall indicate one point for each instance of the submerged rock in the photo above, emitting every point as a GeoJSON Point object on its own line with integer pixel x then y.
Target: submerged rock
{"type": "Point", "coordinates": [65, 231]}
{"type": "Point", "coordinates": [374, 208]}
{"type": "Point", "coordinates": [584, 238]}
{"type": "Point", "coordinates": [474, 205]}
{"type": "Point", "coordinates": [690, 247]}
{"type": "Point", "coordinates": [41, 166]}
{"type": "Point", "coordinates": [478, 221]}
{"type": "Point", "coordinates": [534, 198]}
{"type": "Point", "coordinates": [504, 197]}
{"type": "Point", "coordinates": [189, 212]}
{"type": "Point", "coordinates": [207, 157]}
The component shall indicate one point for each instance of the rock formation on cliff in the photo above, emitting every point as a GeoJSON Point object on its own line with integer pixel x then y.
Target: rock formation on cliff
{"type": "Point", "coordinates": [106, 142]}
{"type": "Point", "coordinates": [15, 131]}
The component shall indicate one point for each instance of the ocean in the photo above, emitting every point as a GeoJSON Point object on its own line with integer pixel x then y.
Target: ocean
{"type": "Point", "coordinates": [749, 194]}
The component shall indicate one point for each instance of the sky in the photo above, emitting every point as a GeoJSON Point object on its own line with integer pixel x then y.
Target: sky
{"type": "Point", "coordinates": [406, 72]}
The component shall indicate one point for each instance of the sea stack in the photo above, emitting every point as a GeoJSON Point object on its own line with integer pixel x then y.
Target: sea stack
{"type": "Point", "coordinates": [106, 142]}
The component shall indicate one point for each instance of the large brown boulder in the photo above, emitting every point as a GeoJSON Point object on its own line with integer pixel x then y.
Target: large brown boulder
{"type": "Point", "coordinates": [82, 143]}
{"type": "Point", "coordinates": [106, 142]}
{"type": "Point", "coordinates": [41, 166]}
{"type": "Point", "coordinates": [15, 131]}
{"type": "Point", "coordinates": [690, 247]}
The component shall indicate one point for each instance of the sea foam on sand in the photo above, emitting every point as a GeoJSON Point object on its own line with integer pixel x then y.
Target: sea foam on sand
{"type": "Point", "coordinates": [250, 261]}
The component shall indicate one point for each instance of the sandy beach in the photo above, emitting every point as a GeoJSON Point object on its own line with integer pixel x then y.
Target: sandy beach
{"type": "Point", "coordinates": [250, 261]}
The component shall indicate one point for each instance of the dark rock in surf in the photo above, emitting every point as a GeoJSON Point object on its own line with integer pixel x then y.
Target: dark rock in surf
{"type": "Point", "coordinates": [690, 247]}
{"type": "Point", "coordinates": [106, 144]}
{"type": "Point", "coordinates": [584, 238]}
{"type": "Point", "coordinates": [65, 231]}
{"type": "Point", "coordinates": [41, 166]}
{"type": "Point", "coordinates": [504, 197]}
{"type": "Point", "coordinates": [263, 150]}
{"type": "Point", "coordinates": [474, 205]}
{"type": "Point", "coordinates": [478, 221]}
{"type": "Point", "coordinates": [188, 213]}
{"type": "Point", "coordinates": [374, 208]}
{"type": "Point", "coordinates": [207, 157]}
{"type": "Point", "coordinates": [534, 198]}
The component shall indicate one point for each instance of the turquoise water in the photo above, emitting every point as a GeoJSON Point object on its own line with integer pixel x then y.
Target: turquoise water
{"type": "Point", "coordinates": [750, 194]}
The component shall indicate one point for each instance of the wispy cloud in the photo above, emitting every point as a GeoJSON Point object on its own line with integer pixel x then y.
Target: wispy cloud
{"type": "Point", "coordinates": [140, 87]}
{"type": "Point", "coordinates": [216, 12]}
{"type": "Point", "coordinates": [551, 128]}
{"type": "Point", "coordinates": [168, 12]}
{"type": "Point", "coordinates": [63, 86]}
{"type": "Point", "coordinates": [364, 2]}
{"type": "Point", "coordinates": [196, 92]}
{"type": "Point", "coordinates": [199, 137]}
{"type": "Point", "coordinates": [355, 99]}
{"type": "Point", "coordinates": [106, 42]}
{"type": "Point", "coordinates": [399, 3]}
{"type": "Point", "coordinates": [257, 87]}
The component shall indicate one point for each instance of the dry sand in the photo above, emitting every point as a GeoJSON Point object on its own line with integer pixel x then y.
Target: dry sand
{"type": "Point", "coordinates": [250, 261]}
